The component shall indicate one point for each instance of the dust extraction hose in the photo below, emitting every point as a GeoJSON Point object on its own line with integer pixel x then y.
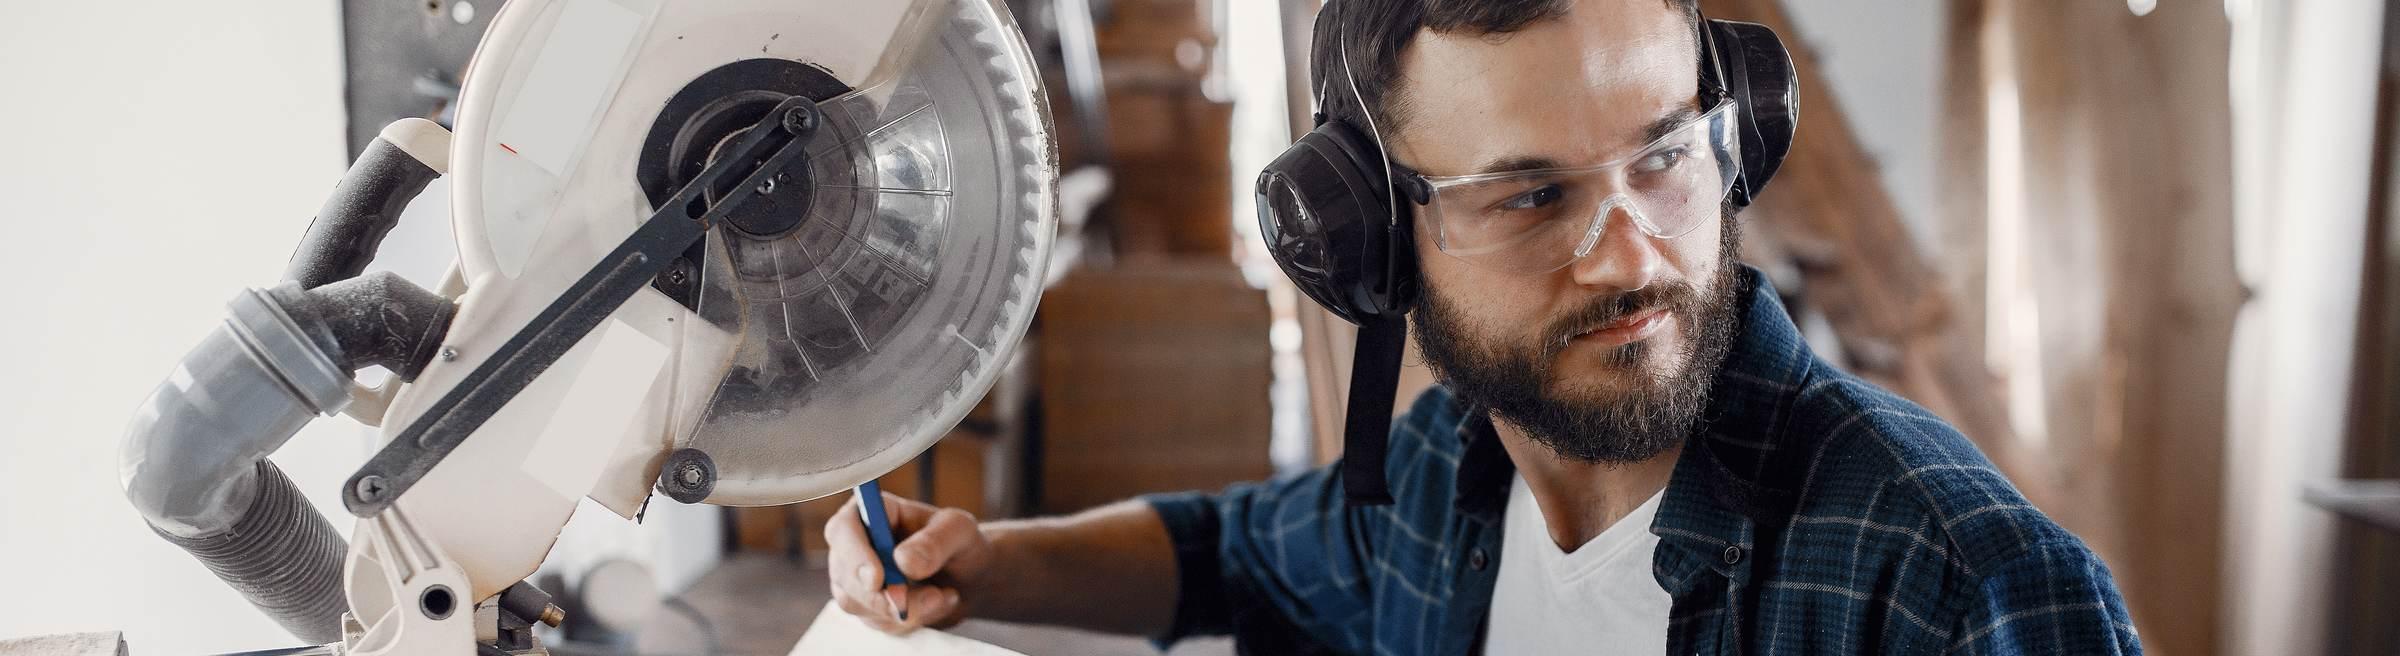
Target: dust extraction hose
{"type": "Point", "coordinates": [195, 462]}
{"type": "Point", "coordinates": [282, 556]}
{"type": "Point", "coordinates": [195, 457]}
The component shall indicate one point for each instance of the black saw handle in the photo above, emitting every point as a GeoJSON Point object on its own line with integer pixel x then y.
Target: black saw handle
{"type": "Point", "coordinates": [367, 203]}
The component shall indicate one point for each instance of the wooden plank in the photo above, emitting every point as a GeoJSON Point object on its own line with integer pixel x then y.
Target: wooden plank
{"type": "Point", "coordinates": [2125, 173]}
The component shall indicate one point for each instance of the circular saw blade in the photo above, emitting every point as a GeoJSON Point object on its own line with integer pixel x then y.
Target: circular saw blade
{"type": "Point", "coordinates": [824, 354]}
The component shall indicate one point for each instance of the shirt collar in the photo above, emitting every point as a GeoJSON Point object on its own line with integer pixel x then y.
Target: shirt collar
{"type": "Point", "coordinates": [1723, 479]}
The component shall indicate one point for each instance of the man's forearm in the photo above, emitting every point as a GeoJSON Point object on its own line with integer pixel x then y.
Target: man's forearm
{"type": "Point", "coordinates": [1109, 569]}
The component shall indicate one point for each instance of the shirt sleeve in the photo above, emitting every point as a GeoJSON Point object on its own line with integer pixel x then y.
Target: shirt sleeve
{"type": "Point", "coordinates": [2053, 599]}
{"type": "Point", "coordinates": [1279, 565]}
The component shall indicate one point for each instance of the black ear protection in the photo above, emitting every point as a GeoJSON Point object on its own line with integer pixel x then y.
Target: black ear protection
{"type": "Point", "coordinates": [1749, 64]}
{"type": "Point", "coordinates": [1331, 217]}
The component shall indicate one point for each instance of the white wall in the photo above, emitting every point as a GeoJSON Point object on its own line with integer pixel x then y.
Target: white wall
{"type": "Point", "coordinates": [1884, 60]}
{"type": "Point", "coordinates": [159, 157]}
{"type": "Point", "coordinates": [156, 158]}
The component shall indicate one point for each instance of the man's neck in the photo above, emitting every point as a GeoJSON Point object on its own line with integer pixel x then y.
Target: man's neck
{"type": "Point", "coordinates": [1580, 499]}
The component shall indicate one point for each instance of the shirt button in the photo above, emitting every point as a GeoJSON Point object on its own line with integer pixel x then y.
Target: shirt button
{"type": "Point", "coordinates": [1477, 560]}
{"type": "Point", "coordinates": [1733, 555]}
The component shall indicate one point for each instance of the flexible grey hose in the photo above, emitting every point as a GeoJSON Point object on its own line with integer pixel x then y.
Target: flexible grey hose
{"type": "Point", "coordinates": [281, 555]}
{"type": "Point", "coordinates": [195, 467]}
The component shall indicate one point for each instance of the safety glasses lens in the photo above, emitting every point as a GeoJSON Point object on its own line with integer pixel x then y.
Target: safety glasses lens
{"type": "Point", "coordinates": [1541, 220]}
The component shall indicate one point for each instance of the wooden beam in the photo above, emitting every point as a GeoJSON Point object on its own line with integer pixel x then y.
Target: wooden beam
{"type": "Point", "coordinates": [2124, 160]}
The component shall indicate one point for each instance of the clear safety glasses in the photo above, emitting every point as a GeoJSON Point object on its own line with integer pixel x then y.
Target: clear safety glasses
{"type": "Point", "coordinates": [1539, 221]}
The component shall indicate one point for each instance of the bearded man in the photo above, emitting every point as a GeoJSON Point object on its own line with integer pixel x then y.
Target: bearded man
{"type": "Point", "coordinates": [1631, 450]}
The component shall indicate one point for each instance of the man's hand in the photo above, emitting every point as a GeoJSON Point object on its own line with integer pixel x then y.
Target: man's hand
{"type": "Point", "coordinates": [943, 550]}
{"type": "Point", "coordinates": [1110, 568]}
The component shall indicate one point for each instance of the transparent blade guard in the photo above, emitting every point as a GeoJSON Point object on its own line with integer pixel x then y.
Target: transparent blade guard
{"type": "Point", "coordinates": [845, 347]}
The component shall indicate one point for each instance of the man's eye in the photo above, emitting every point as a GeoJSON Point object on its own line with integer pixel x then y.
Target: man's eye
{"type": "Point", "coordinates": [1538, 198]}
{"type": "Point", "coordinates": [1662, 160]}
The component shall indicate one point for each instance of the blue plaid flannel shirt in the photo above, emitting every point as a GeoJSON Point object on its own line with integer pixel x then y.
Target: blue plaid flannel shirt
{"type": "Point", "coordinates": [1815, 514]}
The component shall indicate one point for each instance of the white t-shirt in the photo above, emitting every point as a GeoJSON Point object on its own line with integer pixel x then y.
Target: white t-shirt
{"type": "Point", "coordinates": [1599, 599]}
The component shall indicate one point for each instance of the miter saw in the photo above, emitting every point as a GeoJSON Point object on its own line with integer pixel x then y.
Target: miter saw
{"type": "Point", "coordinates": [740, 252]}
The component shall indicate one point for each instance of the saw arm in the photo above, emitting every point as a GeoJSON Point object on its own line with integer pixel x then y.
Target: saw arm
{"type": "Point", "coordinates": [762, 154]}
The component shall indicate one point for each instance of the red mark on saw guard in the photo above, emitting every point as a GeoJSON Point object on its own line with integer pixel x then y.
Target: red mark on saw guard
{"type": "Point", "coordinates": [511, 151]}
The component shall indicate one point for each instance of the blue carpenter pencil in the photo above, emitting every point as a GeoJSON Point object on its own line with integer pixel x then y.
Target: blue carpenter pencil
{"type": "Point", "coordinates": [879, 531]}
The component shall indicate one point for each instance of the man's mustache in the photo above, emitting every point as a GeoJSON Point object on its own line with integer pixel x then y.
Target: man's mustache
{"type": "Point", "coordinates": [1604, 310]}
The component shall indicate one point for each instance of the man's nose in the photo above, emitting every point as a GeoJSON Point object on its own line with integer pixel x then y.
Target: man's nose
{"type": "Point", "coordinates": [1623, 259]}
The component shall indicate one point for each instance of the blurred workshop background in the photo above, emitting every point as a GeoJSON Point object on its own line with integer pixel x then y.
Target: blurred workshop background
{"type": "Point", "coordinates": [2146, 253]}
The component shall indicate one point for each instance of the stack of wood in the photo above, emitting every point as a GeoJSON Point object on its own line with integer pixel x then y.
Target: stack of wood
{"type": "Point", "coordinates": [1155, 363]}
{"type": "Point", "coordinates": [1169, 141]}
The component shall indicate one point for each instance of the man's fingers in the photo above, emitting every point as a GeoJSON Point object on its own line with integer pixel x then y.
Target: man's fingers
{"type": "Point", "coordinates": [928, 605]}
{"type": "Point", "coordinates": [850, 559]}
{"type": "Point", "coordinates": [947, 533]}
{"type": "Point", "coordinates": [938, 532]}
{"type": "Point", "coordinates": [925, 604]}
{"type": "Point", "coordinates": [930, 539]}
{"type": "Point", "coordinates": [851, 605]}
{"type": "Point", "coordinates": [908, 515]}
{"type": "Point", "coordinates": [937, 608]}
{"type": "Point", "coordinates": [873, 610]}
{"type": "Point", "coordinates": [844, 529]}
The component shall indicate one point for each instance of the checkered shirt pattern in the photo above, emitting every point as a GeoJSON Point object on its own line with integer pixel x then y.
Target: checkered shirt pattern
{"type": "Point", "coordinates": [1814, 513]}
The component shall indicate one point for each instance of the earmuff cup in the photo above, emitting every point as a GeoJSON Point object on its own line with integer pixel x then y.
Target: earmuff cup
{"type": "Point", "coordinates": [1749, 62]}
{"type": "Point", "coordinates": [1325, 208]}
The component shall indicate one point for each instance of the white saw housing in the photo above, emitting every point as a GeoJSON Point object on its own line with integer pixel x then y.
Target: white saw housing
{"type": "Point", "coordinates": [806, 363]}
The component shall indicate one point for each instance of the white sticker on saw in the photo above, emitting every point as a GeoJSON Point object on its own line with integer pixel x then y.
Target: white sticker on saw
{"type": "Point", "coordinates": [518, 199]}
{"type": "Point", "coordinates": [543, 131]}
{"type": "Point", "coordinates": [599, 409]}
{"type": "Point", "coordinates": [580, 63]}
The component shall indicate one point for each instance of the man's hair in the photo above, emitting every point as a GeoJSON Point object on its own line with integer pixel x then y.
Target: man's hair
{"type": "Point", "coordinates": [1373, 33]}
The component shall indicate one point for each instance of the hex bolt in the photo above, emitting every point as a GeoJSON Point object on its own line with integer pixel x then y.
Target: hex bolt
{"type": "Point", "coordinates": [689, 477]}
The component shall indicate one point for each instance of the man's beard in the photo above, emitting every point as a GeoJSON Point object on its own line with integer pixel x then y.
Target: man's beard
{"type": "Point", "coordinates": [1650, 410]}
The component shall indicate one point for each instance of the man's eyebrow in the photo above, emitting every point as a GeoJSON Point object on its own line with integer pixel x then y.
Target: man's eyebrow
{"type": "Point", "coordinates": [1516, 163]}
{"type": "Point", "coordinates": [1657, 128]}
{"type": "Point", "coordinates": [1668, 123]}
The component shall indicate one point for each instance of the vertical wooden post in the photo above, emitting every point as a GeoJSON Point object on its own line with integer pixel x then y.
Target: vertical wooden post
{"type": "Point", "coordinates": [2126, 218]}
